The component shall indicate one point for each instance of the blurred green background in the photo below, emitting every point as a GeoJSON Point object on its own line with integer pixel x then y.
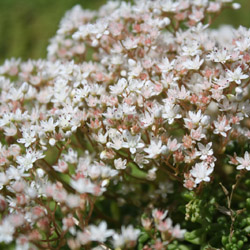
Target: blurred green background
{"type": "Point", "coordinates": [27, 25]}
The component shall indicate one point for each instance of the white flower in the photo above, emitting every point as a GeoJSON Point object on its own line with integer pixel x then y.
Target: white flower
{"type": "Point", "coordinates": [6, 119]}
{"type": "Point", "coordinates": [159, 215]}
{"type": "Point", "coordinates": [71, 156]}
{"type": "Point", "coordinates": [81, 93]}
{"type": "Point", "coordinates": [62, 166]}
{"type": "Point", "coordinates": [155, 148]}
{"type": "Point", "coordinates": [6, 231]}
{"type": "Point", "coordinates": [243, 44]}
{"type": "Point", "coordinates": [222, 127]}
{"type": "Point", "coordinates": [128, 236]}
{"type": "Point", "coordinates": [3, 179]}
{"type": "Point", "coordinates": [114, 113]}
{"type": "Point", "coordinates": [135, 85]}
{"type": "Point", "coordinates": [205, 151]}
{"type": "Point", "coordinates": [219, 56]}
{"type": "Point", "coordinates": [177, 232]}
{"type": "Point", "coordinates": [165, 226]}
{"type": "Point", "coordinates": [236, 6]}
{"type": "Point", "coordinates": [168, 6]}
{"type": "Point", "coordinates": [11, 130]}
{"type": "Point", "coordinates": [129, 233]}
{"type": "Point", "coordinates": [28, 137]}
{"type": "Point", "coordinates": [14, 173]}
{"type": "Point", "coordinates": [166, 65]}
{"type": "Point", "coordinates": [236, 75]}
{"type": "Point", "coordinates": [120, 164]}
{"type": "Point", "coordinates": [132, 142]}
{"type": "Point", "coordinates": [151, 175]}
{"type": "Point", "coordinates": [201, 172]}
{"type": "Point", "coordinates": [244, 162]}
{"type": "Point", "coordinates": [191, 49]}
{"type": "Point", "coordinates": [173, 145]}
{"type": "Point", "coordinates": [102, 138]}
{"type": "Point", "coordinates": [147, 119]}
{"type": "Point", "coordinates": [130, 43]}
{"type": "Point", "coordinates": [116, 138]}
{"type": "Point", "coordinates": [128, 109]}
{"type": "Point", "coordinates": [22, 243]}
{"type": "Point", "coordinates": [118, 241]}
{"type": "Point", "coordinates": [119, 87]}
{"type": "Point", "coordinates": [49, 126]}
{"type": "Point", "coordinates": [100, 170]}
{"type": "Point", "coordinates": [100, 233]}
{"type": "Point", "coordinates": [108, 172]}
{"type": "Point", "coordinates": [197, 134]}
{"type": "Point", "coordinates": [171, 112]}
{"type": "Point", "coordinates": [26, 162]}
{"type": "Point", "coordinates": [140, 160]}
{"type": "Point", "coordinates": [193, 64]}
{"type": "Point", "coordinates": [182, 93]}
{"type": "Point", "coordinates": [163, 22]}
{"type": "Point", "coordinates": [73, 201]}
{"type": "Point", "coordinates": [196, 119]}
{"type": "Point", "coordinates": [83, 185]}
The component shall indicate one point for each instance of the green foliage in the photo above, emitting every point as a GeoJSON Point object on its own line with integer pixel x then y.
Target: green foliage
{"type": "Point", "coordinates": [27, 25]}
{"type": "Point", "coordinates": [213, 224]}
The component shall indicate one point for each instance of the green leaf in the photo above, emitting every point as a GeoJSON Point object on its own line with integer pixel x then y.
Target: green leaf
{"type": "Point", "coordinates": [115, 211]}
{"type": "Point", "coordinates": [247, 229]}
{"type": "Point", "coordinates": [207, 247]}
{"type": "Point", "coordinates": [143, 237]}
{"type": "Point", "coordinates": [194, 237]}
{"type": "Point", "coordinates": [188, 195]}
{"type": "Point", "coordinates": [135, 171]}
{"type": "Point", "coordinates": [183, 247]}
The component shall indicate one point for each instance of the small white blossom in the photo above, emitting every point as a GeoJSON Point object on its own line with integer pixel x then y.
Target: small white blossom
{"type": "Point", "coordinates": [83, 185]}
{"type": "Point", "coordinates": [132, 142]}
{"type": "Point", "coordinates": [26, 162]}
{"type": "Point", "coordinates": [100, 233]}
{"type": "Point", "coordinates": [173, 145]}
{"type": "Point", "coordinates": [120, 164]}
{"type": "Point", "coordinates": [201, 172]}
{"type": "Point", "coordinates": [193, 64]}
{"type": "Point", "coordinates": [128, 236]}
{"type": "Point", "coordinates": [3, 179]}
{"type": "Point", "coordinates": [205, 151]}
{"type": "Point", "coordinates": [222, 127]}
{"type": "Point", "coordinates": [244, 162]}
{"type": "Point", "coordinates": [155, 148]}
{"type": "Point", "coordinates": [6, 231]}
{"type": "Point", "coordinates": [166, 65]}
{"type": "Point", "coordinates": [28, 138]}
{"type": "Point", "coordinates": [49, 126]}
{"type": "Point", "coordinates": [171, 112]}
{"type": "Point", "coordinates": [236, 76]}
{"type": "Point", "coordinates": [119, 87]}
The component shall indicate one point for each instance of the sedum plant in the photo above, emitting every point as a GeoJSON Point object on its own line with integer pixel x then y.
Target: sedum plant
{"type": "Point", "coordinates": [132, 134]}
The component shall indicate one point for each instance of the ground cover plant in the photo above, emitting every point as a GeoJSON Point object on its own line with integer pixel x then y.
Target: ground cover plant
{"type": "Point", "coordinates": [132, 134]}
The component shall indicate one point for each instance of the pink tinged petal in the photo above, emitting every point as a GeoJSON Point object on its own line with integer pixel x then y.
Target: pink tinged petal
{"type": "Point", "coordinates": [246, 156]}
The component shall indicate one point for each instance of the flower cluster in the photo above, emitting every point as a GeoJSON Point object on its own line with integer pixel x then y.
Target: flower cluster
{"type": "Point", "coordinates": [129, 96]}
{"type": "Point", "coordinates": [163, 225]}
